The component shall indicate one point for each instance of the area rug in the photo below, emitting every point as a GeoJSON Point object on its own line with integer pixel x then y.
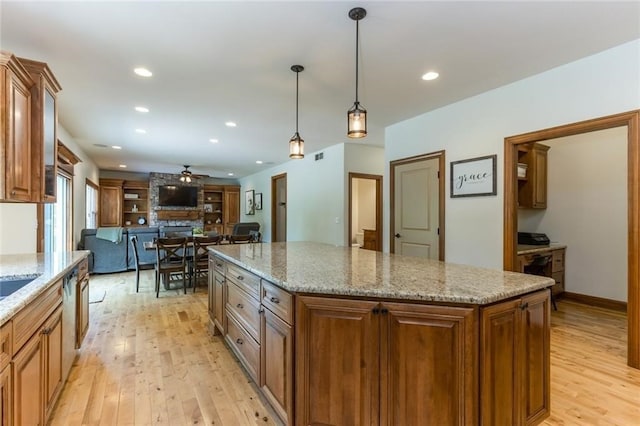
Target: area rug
{"type": "Point", "coordinates": [97, 296]}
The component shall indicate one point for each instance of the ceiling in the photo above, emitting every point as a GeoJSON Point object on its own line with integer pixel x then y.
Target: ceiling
{"type": "Point", "coordinates": [215, 61]}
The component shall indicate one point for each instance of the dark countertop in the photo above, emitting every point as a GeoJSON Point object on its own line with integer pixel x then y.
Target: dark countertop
{"type": "Point", "coordinates": [531, 249]}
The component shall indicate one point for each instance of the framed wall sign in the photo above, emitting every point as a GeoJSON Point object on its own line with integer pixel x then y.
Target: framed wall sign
{"type": "Point", "coordinates": [249, 206]}
{"type": "Point", "coordinates": [257, 201]}
{"type": "Point", "coordinates": [474, 177]}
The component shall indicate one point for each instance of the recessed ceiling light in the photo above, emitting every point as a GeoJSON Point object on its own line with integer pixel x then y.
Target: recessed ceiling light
{"type": "Point", "coordinates": [123, 166]}
{"type": "Point", "coordinates": [229, 174]}
{"type": "Point", "coordinates": [141, 131]}
{"type": "Point", "coordinates": [213, 140]}
{"type": "Point", "coordinates": [142, 109]}
{"type": "Point", "coordinates": [258, 161]}
{"type": "Point", "coordinates": [230, 124]}
{"type": "Point", "coordinates": [116, 147]}
{"type": "Point", "coordinates": [431, 75]}
{"type": "Point", "coordinates": [143, 72]}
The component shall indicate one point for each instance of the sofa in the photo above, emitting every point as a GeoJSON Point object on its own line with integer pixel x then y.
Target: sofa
{"type": "Point", "coordinates": [107, 256]}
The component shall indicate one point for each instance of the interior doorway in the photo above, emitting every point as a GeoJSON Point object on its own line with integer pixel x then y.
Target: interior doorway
{"type": "Point", "coordinates": [279, 208]}
{"type": "Point", "coordinates": [632, 121]}
{"type": "Point", "coordinates": [417, 206]}
{"type": "Point", "coordinates": [365, 211]}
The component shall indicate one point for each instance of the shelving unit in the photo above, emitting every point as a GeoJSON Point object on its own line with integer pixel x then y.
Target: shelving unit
{"type": "Point", "coordinates": [213, 201]}
{"type": "Point", "coordinates": [135, 203]}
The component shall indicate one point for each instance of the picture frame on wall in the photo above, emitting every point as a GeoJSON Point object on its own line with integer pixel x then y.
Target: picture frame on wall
{"type": "Point", "coordinates": [475, 177]}
{"type": "Point", "coordinates": [249, 205]}
{"type": "Point", "coordinates": [257, 201]}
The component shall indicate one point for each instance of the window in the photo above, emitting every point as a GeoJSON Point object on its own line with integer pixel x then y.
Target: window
{"type": "Point", "coordinates": [57, 217]}
{"type": "Point", "coordinates": [91, 209]}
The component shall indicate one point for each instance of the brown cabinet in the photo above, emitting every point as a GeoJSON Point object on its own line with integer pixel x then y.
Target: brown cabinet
{"type": "Point", "coordinates": [217, 270]}
{"type": "Point", "coordinates": [6, 398]}
{"type": "Point", "coordinates": [532, 188]}
{"type": "Point", "coordinates": [213, 199]}
{"type": "Point", "coordinates": [82, 304]}
{"type": "Point", "coordinates": [276, 357]}
{"type": "Point", "coordinates": [28, 375]}
{"type": "Point", "coordinates": [44, 127]}
{"type": "Point", "coordinates": [370, 239]}
{"type": "Point", "coordinates": [15, 119]}
{"type": "Point", "coordinates": [110, 207]}
{"type": "Point", "coordinates": [52, 353]}
{"type": "Point", "coordinates": [554, 269]}
{"type": "Point", "coordinates": [231, 208]}
{"type": "Point", "coordinates": [358, 361]}
{"type": "Point", "coordinates": [514, 361]}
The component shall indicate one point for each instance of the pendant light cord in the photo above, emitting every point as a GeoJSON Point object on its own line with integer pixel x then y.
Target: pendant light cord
{"type": "Point", "coordinates": [297, 75]}
{"type": "Point", "coordinates": [357, 37]}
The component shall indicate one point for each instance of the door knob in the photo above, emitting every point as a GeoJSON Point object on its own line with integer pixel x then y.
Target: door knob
{"type": "Point", "coordinates": [397, 235]}
{"type": "Point", "coordinates": [282, 204]}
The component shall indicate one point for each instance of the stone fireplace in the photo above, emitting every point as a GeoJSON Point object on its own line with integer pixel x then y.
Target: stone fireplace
{"type": "Point", "coordinates": [173, 216]}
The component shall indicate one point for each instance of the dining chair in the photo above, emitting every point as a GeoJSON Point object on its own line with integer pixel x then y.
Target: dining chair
{"type": "Point", "coordinates": [234, 239]}
{"type": "Point", "coordinates": [138, 264]}
{"type": "Point", "coordinates": [171, 259]}
{"type": "Point", "coordinates": [199, 264]}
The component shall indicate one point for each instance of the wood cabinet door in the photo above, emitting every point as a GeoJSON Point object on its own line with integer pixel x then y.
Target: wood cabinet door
{"type": "Point", "coordinates": [82, 317]}
{"type": "Point", "coordinates": [540, 182]}
{"type": "Point", "coordinates": [231, 212]}
{"type": "Point", "coordinates": [17, 150]}
{"type": "Point", "coordinates": [431, 349]}
{"type": "Point", "coordinates": [211, 284]}
{"type": "Point", "coordinates": [337, 374]}
{"type": "Point", "coordinates": [53, 376]}
{"type": "Point", "coordinates": [110, 206]}
{"type": "Point", "coordinates": [499, 360]}
{"type": "Point", "coordinates": [219, 295]}
{"type": "Point", "coordinates": [276, 379]}
{"type": "Point", "coordinates": [27, 383]}
{"type": "Point", "coordinates": [536, 381]}
{"type": "Point", "coordinates": [6, 396]}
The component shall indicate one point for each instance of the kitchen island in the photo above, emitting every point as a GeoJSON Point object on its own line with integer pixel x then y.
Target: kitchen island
{"type": "Point", "coordinates": [366, 338]}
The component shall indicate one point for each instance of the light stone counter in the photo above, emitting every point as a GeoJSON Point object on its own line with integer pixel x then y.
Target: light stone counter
{"type": "Point", "coordinates": [306, 267]}
{"type": "Point", "coordinates": [45, 268]}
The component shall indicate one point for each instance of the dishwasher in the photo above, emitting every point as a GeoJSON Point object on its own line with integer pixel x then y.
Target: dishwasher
{"type": "Point", "coordinates": [69, 352]}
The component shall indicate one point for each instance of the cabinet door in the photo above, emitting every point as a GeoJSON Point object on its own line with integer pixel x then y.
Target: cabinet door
{"type": "Point", "coordinates": [499, 360]}
{"type": "Point", "coordinates": [430, 348]}
{"type": "Point", "coordinates": [82, 318]}
{"type": "Point", "coordinates": [211, 284]}
{"type": "Point", "coordinates": [52, 346]}
{"type": "Point", "coordinates": [110, 206]}
{"type": "Point", "coordinates": [540, 182]}
{"type": "Point", "coordinates": [220, 295]}
{"type": "Point", "coordinates": [536, 369]}
{"type": "Point", "coordinates": [17, 150]}
{"type": "Point", "coordinates": [337, 362]}
{"type": "Point", "coordinates": [231, 207]}
{"type": "Point", "coordinates": [6, 393]}
{"type": "Point", "coordinates": [276, 359]}
{"type": "Point", "coordinates": [27, 383]}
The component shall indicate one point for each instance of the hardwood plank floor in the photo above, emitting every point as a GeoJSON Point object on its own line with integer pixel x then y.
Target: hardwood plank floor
{"type": "Point", "coordinates": [151, 361]}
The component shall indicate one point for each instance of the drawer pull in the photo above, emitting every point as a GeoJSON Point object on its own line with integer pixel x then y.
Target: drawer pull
{"type": "Point", "coordinates": [524, 306]}
{"type": "Point", "coordinates": [239, 305]}
{"type": "Point", "coordinates": [275, 300]}
{"type": "Point", "coordinates": [46, 331]}
{"type": "Point", "coordinates": [261, 310]}
{"type": "Point", "coordinates": [239, 341]}
{"type": "Point", "coordinates": [219, 265]}
{"type": "Point", "coordinates": [240, 277]}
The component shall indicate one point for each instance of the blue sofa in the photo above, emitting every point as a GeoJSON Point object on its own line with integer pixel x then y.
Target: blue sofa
{"type": "Point", "coordinates": [107, 257]}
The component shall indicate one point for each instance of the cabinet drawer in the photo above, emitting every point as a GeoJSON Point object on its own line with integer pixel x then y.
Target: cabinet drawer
{"type": "Point", "coordinates": [83, 268]}
{"type": "Point", "coordinates": [219, 264]}
{"type": "Point", "coordinates": [557, 262]}
{"type": "Point", "coordinates": [29, 319]}
{"type": "Point", "coordinates": [6, 333]}
{"type": "Point", "coordinates": [247, 350]}
{"type": "Point", "coordinates": [278, 301]}
{"type": "Point", "coordinates": [245, 279]}
{"type": "Point", "coordinates": [245, 308]}
{"type": "Point", "coordinates": [558, 287]}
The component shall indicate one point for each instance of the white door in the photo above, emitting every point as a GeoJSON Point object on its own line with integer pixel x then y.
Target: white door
{"type": "Point", "coordinates": [416, 192]}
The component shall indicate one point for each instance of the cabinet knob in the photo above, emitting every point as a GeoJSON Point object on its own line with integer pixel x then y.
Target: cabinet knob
{"type": "Point", "coordinates": [239, 305]}
{"type": "Point", "coordinates": [524, 306]}
{"type": "Point", "coordinates": [275, 300]}
{"type": "Point", "coordinates": [261, 311]}
{"type": "Point", "coordinates": [13, 192]}
{"type": "Point", "coordinates": [397, 235]}
{"type": "Point", "coordinates": [239, 341]}
{"type": "Point", "coordinates": [240, 277]}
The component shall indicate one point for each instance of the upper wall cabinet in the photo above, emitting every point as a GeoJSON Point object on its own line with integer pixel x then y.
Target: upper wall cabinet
{"type": "Point", "coordinates": [15, 120]}
{"type": "Point", "coordinates": [44, 129]}
{"type": "Point", "coordinates": [29, 130]}
{"type": "Point", "coordinates": [532, 176]}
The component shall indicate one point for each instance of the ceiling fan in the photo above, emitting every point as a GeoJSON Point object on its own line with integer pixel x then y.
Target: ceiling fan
{"type": "Point", "coordinates": [186, 175]}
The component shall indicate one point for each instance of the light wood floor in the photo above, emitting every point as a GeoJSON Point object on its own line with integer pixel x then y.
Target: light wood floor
{"type": "Point", "coordinates": [151, 361]}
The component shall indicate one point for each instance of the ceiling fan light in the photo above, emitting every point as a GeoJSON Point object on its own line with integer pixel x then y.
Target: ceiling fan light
{"type": "Point", "coordinates": [357, 121]}
{"type": "Point", "coordinates": [296, 147]}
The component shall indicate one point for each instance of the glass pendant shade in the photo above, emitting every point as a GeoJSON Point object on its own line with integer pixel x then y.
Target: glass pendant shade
{"type": "Point", "coordinates": [186, 179]}
{"type": "Point", "coordinates": [357, 121]}
{"type": "Point", "coordinates": [296, 147]}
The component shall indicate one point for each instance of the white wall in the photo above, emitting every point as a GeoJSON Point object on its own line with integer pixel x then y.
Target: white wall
{"type": "Point", "coordinates": [599, 85]}
{"type": "Point", "coordinates": [18, 232]}
{"type": "Point", "coordinates": [363, 209]}
{"type": "Point", "coordinates": [587, 210]}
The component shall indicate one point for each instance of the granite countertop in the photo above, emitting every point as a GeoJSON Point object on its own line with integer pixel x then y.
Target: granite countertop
{"type": "Point", "coordinates": [531, 249]}
{"type": "Point", "coordinates": [45, 268]}
{"type": "Point", "coordinates": [306, 267]}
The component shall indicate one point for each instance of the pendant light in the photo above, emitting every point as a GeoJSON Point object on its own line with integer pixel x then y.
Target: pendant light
{"type": "Point", "coordinates": [357, 115]}
{"type": "Point", "coordinates": [296, 143]}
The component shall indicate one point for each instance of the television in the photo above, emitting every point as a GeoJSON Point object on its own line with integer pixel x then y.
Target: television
{"type": "Point", "coordinates": [178, 196]}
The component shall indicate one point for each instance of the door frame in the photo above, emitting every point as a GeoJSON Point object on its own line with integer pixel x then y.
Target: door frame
{"type": "Point", "coordinates": [274, 206]}
{"type": "Point", "coordinates": [378, 180]}
{"type": "Point", "coordinates": [630, 119]}
{"type": "Point", "coordinates": [440, 155]}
